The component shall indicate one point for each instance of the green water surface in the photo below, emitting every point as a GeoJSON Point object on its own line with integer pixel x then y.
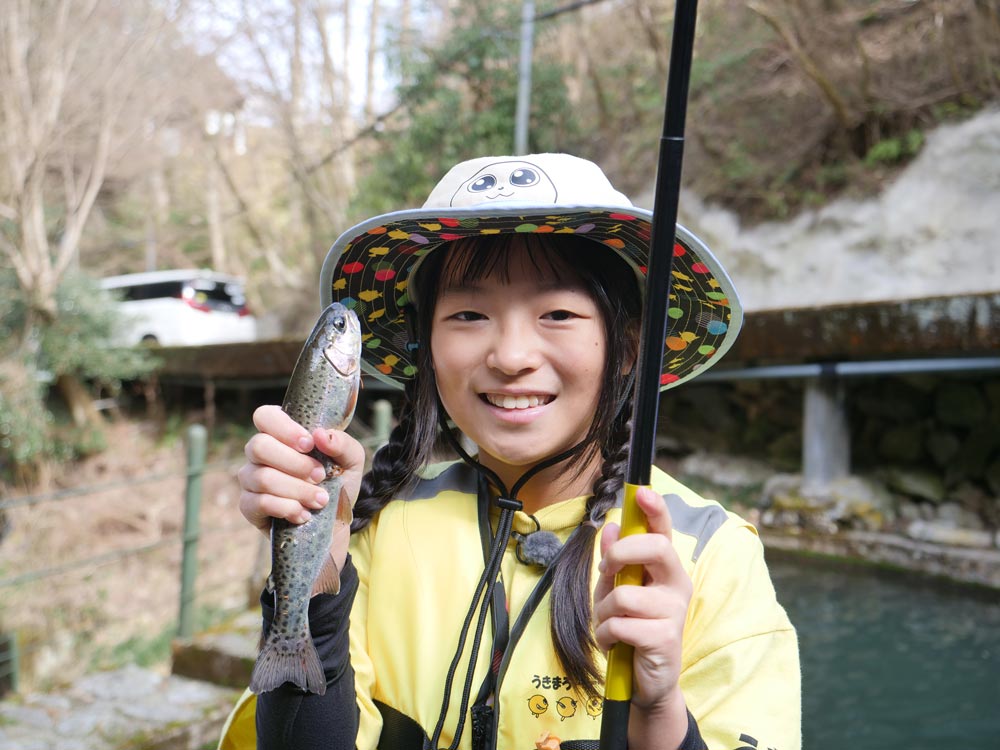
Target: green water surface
{"type": "Point", "coordinates": [892, 660]}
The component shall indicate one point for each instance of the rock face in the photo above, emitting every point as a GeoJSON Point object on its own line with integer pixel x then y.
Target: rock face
{"type": "Point", "coordinates": [925, 449]}
{"type": "Point", "coordinates": [934, 231]}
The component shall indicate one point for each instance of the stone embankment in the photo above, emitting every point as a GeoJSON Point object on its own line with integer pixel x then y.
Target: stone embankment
{"type": "Point", "coordinates": [141, 709]}
{"type": "Point", "coordinates": [924, 487]}
{"type": "Point", "coordinates": [980, 567]}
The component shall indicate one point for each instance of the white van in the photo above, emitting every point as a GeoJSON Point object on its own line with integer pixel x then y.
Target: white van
{"type": "Point", "coordinates": [182, 308]}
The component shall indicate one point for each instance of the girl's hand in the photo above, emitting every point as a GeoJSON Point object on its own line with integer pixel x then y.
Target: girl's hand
{"type": "Point", "coordinates": [280, 479]}
{"type": "Point", "coordinates": [649, 617]}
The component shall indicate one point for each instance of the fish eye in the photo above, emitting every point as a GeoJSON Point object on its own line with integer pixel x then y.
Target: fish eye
{"type": "Point", "coordinates": [486, 182]}
{"type": "Point", "coordinates": [523, 177]}
{"type": "Point", "coordinates": [339, 323]}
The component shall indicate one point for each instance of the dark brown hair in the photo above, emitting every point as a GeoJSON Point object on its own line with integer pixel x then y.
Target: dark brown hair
{"type": "Point", "coordinates": [614, 287]}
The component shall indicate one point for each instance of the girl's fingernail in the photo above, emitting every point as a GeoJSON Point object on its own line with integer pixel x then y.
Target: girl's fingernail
{"type": "Point", "coordinates": [305, 444]}
{"type": "Point", "coordinates": [318, 474]}
{"type": "Point", "coordinates": [322, 498]}
{"type": "Point", "coordinates": [601, 566]}
{"type": "Point", "coordinates": [305, 516]}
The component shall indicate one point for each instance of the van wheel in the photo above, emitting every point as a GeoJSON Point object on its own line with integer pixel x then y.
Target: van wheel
{"type": "Point", "coordinates": [150, 340]}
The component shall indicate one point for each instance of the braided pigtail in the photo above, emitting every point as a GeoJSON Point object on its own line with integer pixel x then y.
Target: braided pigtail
{"type": "Point", "coordinates": [395, 463]}
{"type": "Point", "coordinates": [570, 624]}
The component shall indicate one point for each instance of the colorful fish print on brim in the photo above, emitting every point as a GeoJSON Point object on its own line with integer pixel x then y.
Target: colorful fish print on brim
{"type": "Point", "coordinates": [371, 277]}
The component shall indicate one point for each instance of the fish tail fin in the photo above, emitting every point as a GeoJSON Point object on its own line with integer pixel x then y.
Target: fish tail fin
{"type": "Point", "coordinates": [284, 660]}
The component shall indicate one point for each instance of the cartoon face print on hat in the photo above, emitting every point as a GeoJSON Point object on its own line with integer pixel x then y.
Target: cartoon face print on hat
{"type": "Point", "coordinates": [506, 181]}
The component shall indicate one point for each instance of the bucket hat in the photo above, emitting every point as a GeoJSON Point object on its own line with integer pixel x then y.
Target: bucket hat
{"type": "Point", "coordinates": [370, 266]}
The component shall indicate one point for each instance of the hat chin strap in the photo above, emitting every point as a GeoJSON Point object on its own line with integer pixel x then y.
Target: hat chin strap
{"type": "Point", "coordinates": [508, 504]}
{"type": "Point", "coordinates": [507, 497]}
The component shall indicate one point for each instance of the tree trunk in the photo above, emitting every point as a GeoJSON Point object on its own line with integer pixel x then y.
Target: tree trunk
{"type": "Point", "coordinates": [213, 210]}
{"type": "Point", "coordinates": [81, 406]}
{"type": "Point", "coordinates": [838, 104]}
{"type": "Point", "coordinates": [373, 17]}
{"type": "Point", "coordinates": [653, 39]}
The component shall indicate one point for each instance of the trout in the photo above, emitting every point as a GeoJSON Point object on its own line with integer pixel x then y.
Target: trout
{"type": "Point", "coordinates": [322, 393]}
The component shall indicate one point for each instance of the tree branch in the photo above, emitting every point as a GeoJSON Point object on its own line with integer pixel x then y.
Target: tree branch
{"type": "Point", "coordinates": [840, 109]}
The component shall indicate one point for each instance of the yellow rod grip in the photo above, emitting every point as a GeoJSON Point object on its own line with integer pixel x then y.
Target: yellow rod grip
{"type": "Point", "coordinates": [618, 683]}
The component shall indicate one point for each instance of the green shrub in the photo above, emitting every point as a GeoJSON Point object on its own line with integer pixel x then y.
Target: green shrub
{"type": "Point", "coordinates": [895, 150]}
{"type": "Point", "coordinates": [75, 343]}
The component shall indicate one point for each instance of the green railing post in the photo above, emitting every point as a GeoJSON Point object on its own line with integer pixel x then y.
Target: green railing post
{"type": "Point", "coordinates": [196, 440]}
{"type": "Point", "coordinates": [10, 666]}
{"type": "Point", "coordinates": [381, 422]}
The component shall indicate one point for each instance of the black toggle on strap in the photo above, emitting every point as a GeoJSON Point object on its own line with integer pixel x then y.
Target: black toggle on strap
{"type": "Point", "coordinates": [509, 503]}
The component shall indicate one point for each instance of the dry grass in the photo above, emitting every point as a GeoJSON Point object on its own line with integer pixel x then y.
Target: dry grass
{"type": "Point", "coordinates": [122, 610]}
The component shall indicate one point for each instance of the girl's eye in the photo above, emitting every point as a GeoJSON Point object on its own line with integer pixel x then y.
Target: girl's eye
{"type": "Point", "coordinates": [468, 316]}
{"type": "Point", "coordinates": [559, 315]}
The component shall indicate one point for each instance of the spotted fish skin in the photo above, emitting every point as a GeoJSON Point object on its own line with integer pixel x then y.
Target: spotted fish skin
{"type": "Point", "coordinates": [322, 393]}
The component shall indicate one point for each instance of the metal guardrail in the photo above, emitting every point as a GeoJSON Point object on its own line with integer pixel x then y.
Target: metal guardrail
{"type": "Point", "coordinates": [938, 365]}
{"type": "Point", "coordinates": [12, 653]}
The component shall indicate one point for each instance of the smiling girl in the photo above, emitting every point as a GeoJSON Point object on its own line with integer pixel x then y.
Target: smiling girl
{"type": "Point", "coordinates": [477, 605]}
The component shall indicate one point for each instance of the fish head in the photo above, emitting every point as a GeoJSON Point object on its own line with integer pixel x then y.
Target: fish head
{"type": "Point", "coordinates": [323, 389]}
{"type": "Point", "coordinates": [339, 347]}
{"type": "Point", "coordinates": [342, 340]}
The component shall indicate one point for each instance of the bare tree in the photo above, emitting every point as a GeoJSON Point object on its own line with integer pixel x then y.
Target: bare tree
{"type": "Point", "coordinates": [291, 58]}
{"type": "Point", "coordinates": [71, 72]}
{"type": "Point", "coordinates": [35, 72]}
{"type": "Point", "coordinates": [782, 17]}
{"type": "Point", "coordinates": [78, 92]}
{"type": "Point", "coordinates": [373, 28]}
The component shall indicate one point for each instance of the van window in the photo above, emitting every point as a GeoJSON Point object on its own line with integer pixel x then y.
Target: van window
{"type": "Point", "coordinates": [151, 291]}
{"type": "Point", "coordinates": [216, 295]}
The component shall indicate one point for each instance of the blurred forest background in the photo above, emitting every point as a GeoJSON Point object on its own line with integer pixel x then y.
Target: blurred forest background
{"type": "Point", "coordinates": [245, 135]}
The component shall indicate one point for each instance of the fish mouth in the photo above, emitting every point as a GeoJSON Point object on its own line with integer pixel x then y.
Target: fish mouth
{"type": "Point", "coordinates": [516, 402]}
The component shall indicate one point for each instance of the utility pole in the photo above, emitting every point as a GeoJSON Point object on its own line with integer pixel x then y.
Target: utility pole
{"type": "Point", "coordinates": [524, 78]}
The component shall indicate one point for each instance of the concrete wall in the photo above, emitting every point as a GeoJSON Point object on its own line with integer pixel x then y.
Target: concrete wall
{"type": "Point", "coordinates": [924, 453]}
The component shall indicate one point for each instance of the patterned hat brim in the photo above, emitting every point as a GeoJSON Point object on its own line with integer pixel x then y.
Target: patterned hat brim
{"type": "Point", "coordinates": [368, 270]}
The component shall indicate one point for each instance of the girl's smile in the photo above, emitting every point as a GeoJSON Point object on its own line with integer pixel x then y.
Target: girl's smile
{"type": "Point", "coordinates": [516, 401]}
{"type": "Point", "coordinates": [519, 360]}
{"type": "Point", "coordinates": [517, 409]}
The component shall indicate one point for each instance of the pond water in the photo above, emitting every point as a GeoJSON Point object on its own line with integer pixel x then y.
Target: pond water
{"type": "Point", "coordinates": [892, 660]}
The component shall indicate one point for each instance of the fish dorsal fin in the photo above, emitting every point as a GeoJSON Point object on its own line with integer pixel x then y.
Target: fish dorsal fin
{"type": "Point", "coordinates": [328, 580]}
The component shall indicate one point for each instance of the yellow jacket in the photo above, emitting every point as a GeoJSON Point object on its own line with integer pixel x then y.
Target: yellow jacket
{"type": "Point", "coordinates": [419, 563]}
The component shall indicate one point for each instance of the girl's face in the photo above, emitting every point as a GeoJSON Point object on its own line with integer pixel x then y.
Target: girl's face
{"type": "Point", "coordinates": [519, 361]}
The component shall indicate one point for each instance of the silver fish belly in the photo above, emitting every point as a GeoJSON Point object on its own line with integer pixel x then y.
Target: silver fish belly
{"type": "Point", "coordinates": [321, 393]}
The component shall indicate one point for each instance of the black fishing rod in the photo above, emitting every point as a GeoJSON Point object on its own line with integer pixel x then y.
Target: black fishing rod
{"type": "Point", "coordinates": [618, 687]}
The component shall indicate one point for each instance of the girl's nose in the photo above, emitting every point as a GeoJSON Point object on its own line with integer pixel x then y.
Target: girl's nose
{"type": "Point", "coordinates": [513, 350]}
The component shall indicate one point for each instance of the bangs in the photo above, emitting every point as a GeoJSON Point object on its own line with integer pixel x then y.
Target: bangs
{"type": "Point", "coordinates": [468, 261]}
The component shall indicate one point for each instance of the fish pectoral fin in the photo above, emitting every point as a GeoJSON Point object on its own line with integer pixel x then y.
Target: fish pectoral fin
{"type": "Point", "coordinates": [328, 580]}
{"type": "Point", "coordinates": [345, 510]}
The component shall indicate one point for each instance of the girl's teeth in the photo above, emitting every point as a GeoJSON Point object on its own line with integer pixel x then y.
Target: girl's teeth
{"type": "Point", "coordinates": [515, 402]}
